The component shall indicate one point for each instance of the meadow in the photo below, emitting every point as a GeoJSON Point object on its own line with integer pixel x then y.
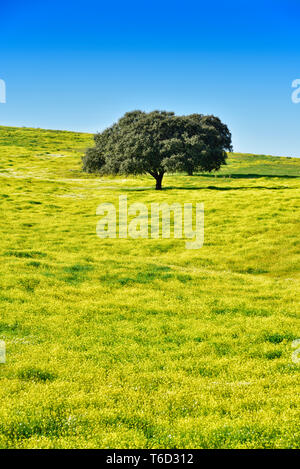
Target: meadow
{"type": "Point", "coordinates": [122, 343]}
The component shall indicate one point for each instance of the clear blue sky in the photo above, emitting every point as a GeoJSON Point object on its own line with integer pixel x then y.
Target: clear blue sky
{"type": "Point", "coordinates": [81, 65]}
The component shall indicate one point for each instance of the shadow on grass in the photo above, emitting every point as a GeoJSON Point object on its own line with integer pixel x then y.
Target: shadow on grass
{"type": "Point", "coordinates": [215, 188]}
{"type": "Point", "coordinates": [216, 176]}
{"type": "Point", "coordinates": [246, 176]}
{"type": "Point", "coordinates": [198, 188]}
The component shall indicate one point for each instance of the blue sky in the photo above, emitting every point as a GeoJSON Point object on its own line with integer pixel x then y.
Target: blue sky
{"type": "Point", "coordinates": [81, 65]}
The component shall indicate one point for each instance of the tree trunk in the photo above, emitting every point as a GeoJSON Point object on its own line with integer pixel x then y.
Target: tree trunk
{"type": "Point", "coordinates": [158, 179]}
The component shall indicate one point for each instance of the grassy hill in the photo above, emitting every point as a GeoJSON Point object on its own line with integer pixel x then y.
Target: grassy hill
{"type": "Point", "coordinates": [143, 343]}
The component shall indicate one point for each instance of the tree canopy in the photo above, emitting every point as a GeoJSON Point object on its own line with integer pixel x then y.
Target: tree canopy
{"type": "Point", "coordinates": [158, 142]}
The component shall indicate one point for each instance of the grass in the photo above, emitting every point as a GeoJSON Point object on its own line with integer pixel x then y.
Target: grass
{"type": "Point", "coordinates": [142, 343]}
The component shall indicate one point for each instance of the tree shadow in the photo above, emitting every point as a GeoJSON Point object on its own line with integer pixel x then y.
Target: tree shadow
{"type": "Point", "coordinates": [246, 176]}
{"type": "Point", "coordinates": [198, 188]}
{"type": "Point", "coordinates": [215, 188]}
{"type": "Point", "coordinates": [223, 177]}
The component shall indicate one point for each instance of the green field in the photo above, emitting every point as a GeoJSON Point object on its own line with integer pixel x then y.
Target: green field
{"type": "Point", "coordinates": [142, 343]}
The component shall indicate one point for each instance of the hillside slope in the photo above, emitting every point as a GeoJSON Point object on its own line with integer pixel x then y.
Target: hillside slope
{"type": "Point", "coordinates": [26, 141]}
{"type": "Point", "coordinates": [143, 343]}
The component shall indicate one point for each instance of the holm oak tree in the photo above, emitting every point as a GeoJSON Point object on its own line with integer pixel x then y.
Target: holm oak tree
{"type": "Point", "coordinates": [158, 142]}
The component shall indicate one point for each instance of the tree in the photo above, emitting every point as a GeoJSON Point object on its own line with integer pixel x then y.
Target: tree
{"type": "Point", "coordinates": [158, 142]}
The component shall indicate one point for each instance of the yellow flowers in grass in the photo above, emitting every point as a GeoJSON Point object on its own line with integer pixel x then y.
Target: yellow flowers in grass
{"type": "Point", "coordinates": [142, 343]}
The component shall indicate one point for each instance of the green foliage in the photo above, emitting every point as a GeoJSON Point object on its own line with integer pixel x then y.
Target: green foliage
{"type": "Point", "coordinates": [35, 374]}
{"type": "Point", "coordinates": [158, 142]}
